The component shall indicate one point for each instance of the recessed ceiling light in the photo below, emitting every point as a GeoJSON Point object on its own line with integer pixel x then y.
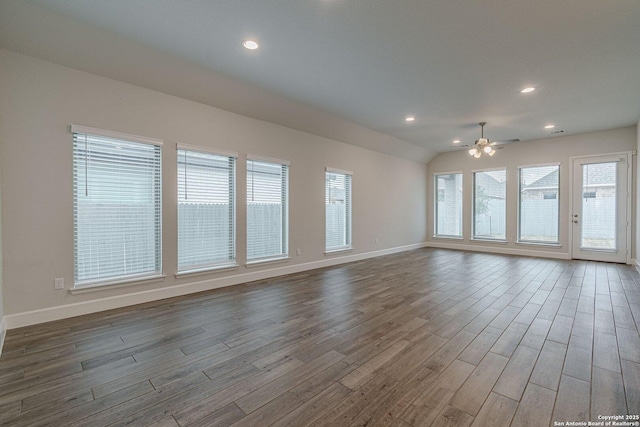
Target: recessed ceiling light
{"type": "Point", "coordinates": [456, 141]}
{"type": "Point", "coordinates": [528, 89]}
{"type": "Point", "coordinates": [549, 126]}
{"type": "Point", "coordinates": [250, 44]}
{"type": "Point", "coordinates": [409, 119]}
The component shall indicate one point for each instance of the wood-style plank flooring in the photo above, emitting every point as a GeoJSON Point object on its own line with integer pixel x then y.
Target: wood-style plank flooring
{"type": "Point", "coordinates": [420, 338]}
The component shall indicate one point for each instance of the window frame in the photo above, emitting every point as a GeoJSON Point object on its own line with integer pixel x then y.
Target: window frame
{"type": "Point", "coordinates": [348, 211]}
{"type": "Point", "coordinates": [519, 239]}
{"type": "Point", "coordinates": [109, 281]}
{"type": "Point", "coordinates": [231, 156]}
{"type": "Point", "coordinates": [473, 205]}
{"type": "Point", "coordinates": [436, 202]}
{"type": "Point", "coordinates": [284, 254]}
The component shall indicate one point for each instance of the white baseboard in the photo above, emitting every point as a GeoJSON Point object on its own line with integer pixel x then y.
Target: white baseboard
{"type": "Point", "coordinates": [3, 333]}
{"type": "Point", "coordinates": [636, 264]}
{"type": "Point", "coordinates": [28, 318]}
{"type": "Point", "coordinates": [503, 250]}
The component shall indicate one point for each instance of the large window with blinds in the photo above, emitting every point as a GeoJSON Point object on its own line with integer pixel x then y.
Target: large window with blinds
{"type": "Point", "coordinates": [267, 209]}
{"type": "Point", "coordinates": [206, 209]}
{"type": "Point", "coordinates": [448, 205]}
{"type": "Point", "coordinates": [538, 213]}
{"type": "Point", "coordinates": [489, 204]}
{"type": "Point", "coordinates": [337, 196]}
{"type": "Point", "coordinates": [117, 207]}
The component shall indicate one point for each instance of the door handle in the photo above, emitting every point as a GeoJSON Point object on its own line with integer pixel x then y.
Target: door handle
{"type": "Point", "coordinates": [575, 221]}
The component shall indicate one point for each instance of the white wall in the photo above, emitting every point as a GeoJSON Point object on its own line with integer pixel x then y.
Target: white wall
{"type": "Point", "coordinates": [558, 149]}
{"type": "Point", "coordinates": [2, 321]}
{"type": "Point", "coordinates": [637, 192]}
{"type": "Point", "coordinates": [38, 102]}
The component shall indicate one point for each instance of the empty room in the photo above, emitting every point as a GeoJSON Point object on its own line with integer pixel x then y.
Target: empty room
{"type": "Point", "coordinates": [319, 213]}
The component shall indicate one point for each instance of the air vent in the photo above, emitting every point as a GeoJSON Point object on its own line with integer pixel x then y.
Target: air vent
{"type": "Point", "coordinates": [557, 132]}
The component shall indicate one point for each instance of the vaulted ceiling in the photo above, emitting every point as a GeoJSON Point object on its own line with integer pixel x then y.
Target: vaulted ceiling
{"type": "Point", "coordinates": [353, 70]}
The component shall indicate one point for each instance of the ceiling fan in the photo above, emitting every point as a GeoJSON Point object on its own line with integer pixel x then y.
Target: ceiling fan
{"type": "Point", "coordinates": [484, 145]}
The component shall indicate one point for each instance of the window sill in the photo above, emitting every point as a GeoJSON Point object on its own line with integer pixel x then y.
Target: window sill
{"type": "Point", "coordinates": [610, 251]}
{"type": "Point", "coordinates": [116, 284]}
{"type": "Point", "coordinates": [259, 262]}
{"type": "Point", "coordinates": [550, 244]}
{"type": "Point", "coordinates": [487, 240]}
{"type": "Point", "coordinates": [443, 236]}
{"type": "Point", "coordinates": [338, 250]}
{"type": "Point", "coordinates": [201, 271]}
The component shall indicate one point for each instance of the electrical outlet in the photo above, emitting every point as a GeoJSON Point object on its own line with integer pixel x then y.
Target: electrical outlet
{"type": "Point", "coordinates": [298, 252]}
{"type": "Point", "coordinates": [58, 283]}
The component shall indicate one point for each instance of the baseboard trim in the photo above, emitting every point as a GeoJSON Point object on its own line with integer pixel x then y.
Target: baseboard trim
{"type": "Point", "coordinates": [34, 317]}
{"type": "Point", "coordinates": [499, 250]}
{"type": "Point", "coordinates": [3, 333]}
{"type": "Point", "coordinates": [636, 264]}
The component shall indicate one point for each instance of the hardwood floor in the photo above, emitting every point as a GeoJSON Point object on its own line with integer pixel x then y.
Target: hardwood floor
{"type": "Point", "coordinates": [427, 337]}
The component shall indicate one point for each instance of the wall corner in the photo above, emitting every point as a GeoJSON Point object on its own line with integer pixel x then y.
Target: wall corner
{"type": "Point", "coordinates": [3, 333]}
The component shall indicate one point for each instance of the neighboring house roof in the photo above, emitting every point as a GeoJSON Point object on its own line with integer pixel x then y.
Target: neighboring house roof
{"type": "Point", "coordinates": [599, 174]}
{"type": "Point", "coordinates": [550, 180]}
{"type": "Point", "coordinates": [492, 187]}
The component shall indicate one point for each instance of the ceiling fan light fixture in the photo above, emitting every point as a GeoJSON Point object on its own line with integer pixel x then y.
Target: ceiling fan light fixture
{"type": "Point", "coordinates": [483, 145]}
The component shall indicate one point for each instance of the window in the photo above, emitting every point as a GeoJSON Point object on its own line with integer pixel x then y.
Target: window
{"type": "Point", "coordinates": [117, 210]}
{"type": "Point", "coordinates": [599, 213]}
{"type": "Point", "coordinates": [538, 212]}
{"type": "Point", "coordinates": [267, 209]}
{"type": "Point", "coordinates": [489, 202]}
{"type": "Point", "coordinates": [206, 209]}
{"type": "Point", "coordinates": [448, 206]}
{"type": "Point", "coordinates": [337, 196]}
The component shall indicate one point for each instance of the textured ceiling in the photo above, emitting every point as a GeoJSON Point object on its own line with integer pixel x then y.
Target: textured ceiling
{"type": "Point", "coordinates": [361, 66]}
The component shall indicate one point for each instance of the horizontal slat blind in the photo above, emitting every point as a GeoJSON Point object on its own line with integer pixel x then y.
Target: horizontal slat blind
{"type": "Point", "coordinates": [489, 204]}
{"type": "Point", "coordinates": [448, 205]}
{"type": "Point", "coordinates": [538, 213]}
{"type": "Point", "coordinates": [206, 210]}
{"type": "Point", "coordinates": [338, 210]}
{"type": "Point", "coordinates": [117, 209]}
{"type": "Point", "coordinates": [267, 209]}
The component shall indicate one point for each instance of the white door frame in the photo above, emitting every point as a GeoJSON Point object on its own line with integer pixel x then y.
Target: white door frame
{"type": "Point", "coordinates": [628, 155]}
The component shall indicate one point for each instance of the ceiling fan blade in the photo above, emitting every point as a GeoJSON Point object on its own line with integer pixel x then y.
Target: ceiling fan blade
{"type": "Point", "coordinates": [505, 141]}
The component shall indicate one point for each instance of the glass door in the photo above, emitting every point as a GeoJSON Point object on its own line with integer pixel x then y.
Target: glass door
{"type": "Point", "coordinates": [599, 218]}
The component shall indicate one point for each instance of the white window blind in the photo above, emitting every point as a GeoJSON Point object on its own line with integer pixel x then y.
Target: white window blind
{"type": "Point", "coordinates": [117, 207]}
{"type": "Point", "coordinates": [267, 209]}
{"type": "Point", "coordinates": [448, 205]}
{"type": "Point", "coordinates": [489, 204]}
{"type": "Point", "coordinates": [206, 210]}
{"type": "Point", "coordinates": [538, 213]}
{"type": "Point", "coordinates": [337, 210]}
